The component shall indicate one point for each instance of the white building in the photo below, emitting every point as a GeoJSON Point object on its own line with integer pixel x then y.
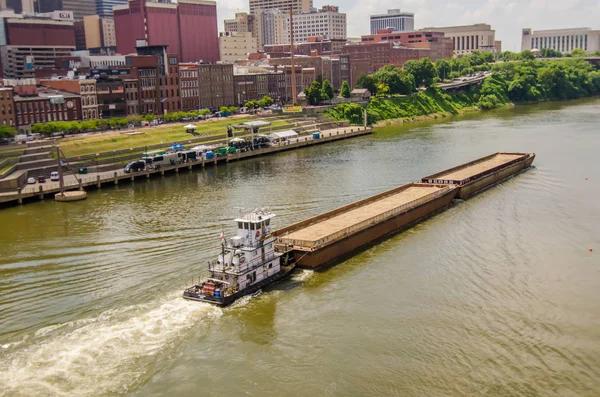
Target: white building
{"type": "Point", "coordinates": [399, 21]}
{"type": "Point", "coordinates": [236, 45]}
{"type": "Point", "coordinates": [469, 38]}
{"type": "Point", "coordinates": [328, 22]}
{"type": "Point", "coordinates": [563, 40]}
{"type": "Point", "coordinates": [284, 5]}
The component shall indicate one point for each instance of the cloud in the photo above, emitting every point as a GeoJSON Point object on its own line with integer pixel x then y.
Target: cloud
{"type": "Point", "coordinates": [507, 17]}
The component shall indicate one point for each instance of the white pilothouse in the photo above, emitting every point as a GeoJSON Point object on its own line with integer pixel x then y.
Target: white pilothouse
{"type": "Point", "coordinates": [247, 263]}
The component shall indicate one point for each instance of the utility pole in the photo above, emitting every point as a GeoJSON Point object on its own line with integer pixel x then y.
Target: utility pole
{"type": "Point", "coordinates": [294, 89]}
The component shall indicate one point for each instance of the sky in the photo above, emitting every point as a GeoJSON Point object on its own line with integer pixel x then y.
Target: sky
{"type": "Point", "coordinates": [507, 17]}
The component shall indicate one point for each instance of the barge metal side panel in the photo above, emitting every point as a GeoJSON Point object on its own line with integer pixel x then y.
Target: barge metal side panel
{"type": "Point", "coordinates": [478, 185]}
{"type": "Point", "coordinates": [478, 182]}
{"type": "Point", "coordinates": [341, 248]}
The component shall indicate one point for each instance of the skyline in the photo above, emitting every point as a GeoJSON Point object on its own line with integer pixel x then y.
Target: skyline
{"type": "Point", "coordinates": [507, 17]}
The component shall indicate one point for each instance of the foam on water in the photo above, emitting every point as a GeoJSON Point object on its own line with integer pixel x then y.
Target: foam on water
{"type": "Point", "coordinates": [302, 275]}
{"type": "Point", "coordinates": [108, 354]}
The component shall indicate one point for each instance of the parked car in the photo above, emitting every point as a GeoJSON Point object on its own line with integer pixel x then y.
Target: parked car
{"type": "Point", "coordinates": [41, 179]}
{"type": "Point", "coordinates": [4, 142]}
{"type": "Point", "coordinates": [54, 176]}
{"type": "Point", "coordinates": [135, 166]}
{"type": "Point", "coordinates": [31, 180]}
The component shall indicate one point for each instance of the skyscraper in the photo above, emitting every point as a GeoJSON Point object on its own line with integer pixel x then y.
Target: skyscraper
{"type": "Point", "coordinates": [18, 6]}
{"type": "Point", "coordinates": [188, 27]}
{"type": "Point", "coordinates": [80, 8]}
{"type": "Point", "coordinates": [398, 21]}
{"type": "Point", "coordinates": [283, 5]}
{"type": "Point", "coordinates": [104, 8]}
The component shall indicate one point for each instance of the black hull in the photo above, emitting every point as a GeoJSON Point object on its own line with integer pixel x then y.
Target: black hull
{"type": "Point", "coordinates": [285, 272]}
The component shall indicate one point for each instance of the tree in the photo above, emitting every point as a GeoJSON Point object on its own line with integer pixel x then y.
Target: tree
{"type": "Point", "coordinates": [527, 55]}
{"type": "Point", "coordinates": [397, 80]}
{"type": "Point", "coordinates": [423, 71]}
{"type": "Point", "coordinates": [327, 89]}
{"type": "Point", "coordinates": [444, 68]}
{"type": "Point", "coordinates": [314, 94]}
{"type": "Point", "coordinates": [251, 104]}
{"type": "Point", "coordinates": [368, 82]}
{"type": "Point", "coordinates": [578, 53]}
{"type": "Point", "coordinates": [149, 117]}
{"type": "Point", "coordinates": [7, 131]}
{"type": "Point", "coordinates": [266, 101]}
{"type": "Point", "coordinates": [345, 91]}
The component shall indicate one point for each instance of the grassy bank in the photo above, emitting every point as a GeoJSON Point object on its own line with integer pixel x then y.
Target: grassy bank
{"type": "Point", "coordinates": [105, 142]}
{"type": "Point", "coordinates": [513, 82]}
{"type": "Point", "coordinates": [429, 104]}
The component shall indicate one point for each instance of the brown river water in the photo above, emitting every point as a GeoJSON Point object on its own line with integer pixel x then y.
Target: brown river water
{"type": "Point", "coordinates": [497, 296]}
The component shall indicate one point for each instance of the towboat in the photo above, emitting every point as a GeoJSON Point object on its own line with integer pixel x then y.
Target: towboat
{"type": "Point", "coordinates": [248, 262]}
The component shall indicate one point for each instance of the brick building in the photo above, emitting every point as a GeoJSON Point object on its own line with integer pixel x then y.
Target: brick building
{"type": "Point", "coordinates": [190, 86]}
{"type": "Point", "coordinates": [187, 27]}
{"type": "Point", "coordinates": [38, 104]}
{"type": "Point", "coordinates": [7, 114]}
{"type": "Point", "coordinates": [86, 88]}
{"type": "Point", "coordinates": [315, 46]}
{"type": "Point", "coordinates": [30, 42]}
{"type": "Point", "coordinates": [215, 85]}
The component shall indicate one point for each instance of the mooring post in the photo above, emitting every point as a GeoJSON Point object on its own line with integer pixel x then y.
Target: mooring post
{"type": "Point", "coordinates": [116, 181]}
{"type": "Point", "coordinates": [98, 184]}
{"type": "Point", "coordinates": [41, 192]}
{"type": "Point", "coordinates": [20, 197]}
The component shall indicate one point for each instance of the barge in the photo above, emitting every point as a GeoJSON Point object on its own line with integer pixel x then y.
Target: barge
{"type": "Point", "coordinates": [333, 236]}
{"type": "Point", "coordinates": [330, 237]}
{"type": "Point", "coordinates": [476, 176]}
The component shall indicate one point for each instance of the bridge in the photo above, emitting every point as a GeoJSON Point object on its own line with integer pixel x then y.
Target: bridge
{"type": "Point", "coordinates": [464, 82]}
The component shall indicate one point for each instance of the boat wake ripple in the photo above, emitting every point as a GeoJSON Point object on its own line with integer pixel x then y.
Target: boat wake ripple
{"type": "Point", "coordinates": [108, 354]}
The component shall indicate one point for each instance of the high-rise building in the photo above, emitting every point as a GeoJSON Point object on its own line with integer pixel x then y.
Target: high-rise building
{"type": "Point", "coordinates": [104, 8]}
{"type": "Point", "coordinates": [243, 22]}
{"type": "Point", "coordinates": [236, 45]}
{"type": "Point", "coordinates": [398, 21]}
{"type": "Point", "coordinates": [33, 42]}
{"type": "Point", "coordinates": [99, 32]}
{"type": "Point", "coordinates": [563, 40]}
{"type": "Point", "coordinates": [469, 38]}
{"type": "Point", "coordinates": [271, 27]}
{"type": "Point", "coordinates": [284, 5]}
{"type": "Point", "coordinates": [188, 27]}
{"type": "Point", "coordinates": [327, 23]}
{"type": "Point", "coordinates": [80, 8]}
{"type": "Point", "coordinates": [18, 6]}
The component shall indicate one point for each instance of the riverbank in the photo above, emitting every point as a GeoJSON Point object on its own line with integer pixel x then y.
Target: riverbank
{"type": "Point", "coordinates": [426, 105]}
{"type": "Point", "coordinates": [522, 82]}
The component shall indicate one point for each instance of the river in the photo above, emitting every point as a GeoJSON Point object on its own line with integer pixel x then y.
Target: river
{"type": "Point", "coordinates": [499, 295]}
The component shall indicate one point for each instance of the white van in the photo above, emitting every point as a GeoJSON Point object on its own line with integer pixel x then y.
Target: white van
{"type": "Point", "coordinates": [54, 176]}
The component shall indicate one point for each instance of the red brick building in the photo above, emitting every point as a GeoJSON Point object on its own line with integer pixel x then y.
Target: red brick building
{"type": "Point", "coordinates": [188, 28]}
{"type": "Point", "coordinates": [7, 112]}
{"type": "Point", "coordinates": [190, 93]}
{"type": "Point", "coordinates": [401, 37]}
{"type": "Point", "coordinates": [315, 46]}
{"type": "Point", "coordinates": [38, 104]}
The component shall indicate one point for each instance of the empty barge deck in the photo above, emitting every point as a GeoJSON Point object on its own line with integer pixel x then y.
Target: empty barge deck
{"type": "Point", "coordinates": [475, 176]}
{"type": "Point", "coordinates": [329, 237]}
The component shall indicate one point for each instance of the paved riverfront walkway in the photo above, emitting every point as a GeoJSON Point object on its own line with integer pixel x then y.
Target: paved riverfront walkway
{"type": "Point", "coordinates": [114, 176]}
{"type": "Point", "coordinates": [354, 217]}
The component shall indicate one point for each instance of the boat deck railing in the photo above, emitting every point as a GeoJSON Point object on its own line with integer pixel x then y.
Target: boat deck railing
{"type": "Point", "coordinates": [216, 267]}
{"type": "Point", "coordinates": [309, 245]}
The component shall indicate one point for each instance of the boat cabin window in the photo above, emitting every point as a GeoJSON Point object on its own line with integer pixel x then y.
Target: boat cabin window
{"type": "Point", "coordinates": [246, 226]}
{"type": "Point", "coordinates": [268, 222]}
{"type": "Point", "coordinates": [240, 225]}
{"type": "Point", "coordinates": [159, 158]}
{"type": "Point", "coordinates": [252, 226]}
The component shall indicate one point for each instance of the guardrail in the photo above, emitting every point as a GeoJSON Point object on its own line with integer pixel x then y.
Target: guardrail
{"type": "Point", "coordinates": [314, 245]}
